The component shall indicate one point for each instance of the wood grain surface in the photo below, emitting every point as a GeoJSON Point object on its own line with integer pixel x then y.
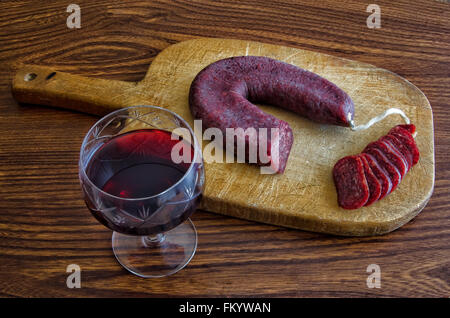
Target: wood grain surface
{"type": "Point", "coordinates": [44, 225]}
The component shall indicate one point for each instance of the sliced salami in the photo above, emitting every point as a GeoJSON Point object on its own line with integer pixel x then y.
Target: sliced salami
{"type": "Point", "coordinates": [380, 173]}
{"type": "Point", "coordinates": [372, 182]}
{"type": "Point", "coordinates": [407, 139]}
{"type": "Point", "coordinates": [396, 152]}
{"type": "Point", "coordinates": [409, 128]}
{"type": "Point", "coordinates": [350, 182]}
{"type": "Point", "coordinates": [384, 162]}
{"type": "Point", "coordinates": [390, 155]}
{"type": "Point", "coordinates": [398, 145]}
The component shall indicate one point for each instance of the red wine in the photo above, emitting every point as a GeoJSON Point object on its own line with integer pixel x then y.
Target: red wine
{"type": "Point", "coordinates": [135, 165]}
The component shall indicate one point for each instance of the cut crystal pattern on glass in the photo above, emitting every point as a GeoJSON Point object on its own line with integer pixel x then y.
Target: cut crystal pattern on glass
{"type": "Point", "coordinates": [153, 236]}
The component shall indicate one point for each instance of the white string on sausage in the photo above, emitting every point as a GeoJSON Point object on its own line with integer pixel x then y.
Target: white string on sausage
{"type": "Point", "coordinates": [378, 118]}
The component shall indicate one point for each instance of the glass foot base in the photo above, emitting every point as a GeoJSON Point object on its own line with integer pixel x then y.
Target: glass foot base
{"type": "Point", "coordinates": [156, 256]}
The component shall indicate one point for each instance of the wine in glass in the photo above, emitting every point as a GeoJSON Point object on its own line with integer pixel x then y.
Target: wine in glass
{"type": "Point", "coordinates": [141, 172]}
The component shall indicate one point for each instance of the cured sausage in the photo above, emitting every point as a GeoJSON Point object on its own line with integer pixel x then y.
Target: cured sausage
{"type": "Point", "coordinates": [351, 183]}
{"type": "Point", "coordinates": [380, 173]}
{"type": "Point", "coordinates": [388, 166]}
{"type": "Point", "coordinates": [392, 155]}
{"type": "Point", "coordinates": [222, 95]}
{"type": "Point", "coordinates": [372, 182]}
{"type": "Point", "coordinates": [385, 163]}
{"type": "Point", "coordinates": [408, 127]}
{"type": "Point", "coordinates": [398, 145]}
{"type": "Point", "coordinates": [404, 134]}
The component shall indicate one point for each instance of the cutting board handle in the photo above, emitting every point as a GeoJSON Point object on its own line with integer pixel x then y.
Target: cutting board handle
{"type": "Point", "coordinates": [44, 86]}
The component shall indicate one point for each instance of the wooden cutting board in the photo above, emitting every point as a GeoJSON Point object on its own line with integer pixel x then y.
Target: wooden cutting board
{"type": "Point", "coordinates": [304, 197]}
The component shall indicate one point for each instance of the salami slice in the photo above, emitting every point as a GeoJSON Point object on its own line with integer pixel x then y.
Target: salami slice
{"type": "Point", "coordinates": [396, 152]}
{"type": "Point", "coordinates": [384, 162]}
{"type": "Point", "coordinates": [372, 182]}
{"type": "Point", "coordinates": [400, 147]}
{"type": "Point", "coordinates": [350, 182]}
{"type": "Point", "coordinates": [380, 173]}
{"type": "Point", "coordinates": [397, 161]}
{"type": "Point", "coordinates": [409, 128]}
{"type": "Point", "coordinates": [407, 139]}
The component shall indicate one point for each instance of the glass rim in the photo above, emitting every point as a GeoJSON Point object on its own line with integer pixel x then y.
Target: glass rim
{"type": "Point", "coordinates": [112, 114]}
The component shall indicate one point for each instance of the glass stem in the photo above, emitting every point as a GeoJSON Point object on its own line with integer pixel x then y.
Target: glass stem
{"type": "Point", "coordinates": [152, 240]}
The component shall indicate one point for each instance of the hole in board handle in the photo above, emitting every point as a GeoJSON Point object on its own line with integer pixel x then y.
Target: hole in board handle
{"type": "Point", "coordinates": [29, 77]}
{"type": "Point", "coordinates": [50, 76]}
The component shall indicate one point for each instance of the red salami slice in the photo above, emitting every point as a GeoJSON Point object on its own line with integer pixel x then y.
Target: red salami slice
{"type": "Point", "coordinates": [372, 182]}
{"type": "Point", "coordinates": [384, 162]}
{"type": "Point", "coordinates": [407, 139]}
{"type": "Point", "coordinates": [380, 173]}
{"type": "Point", "coordinates": [350, 182]}
{"type": "Point", "coordinates": [409, 128]}
{"type": "Point", "coordinates": [397, 161]}
{"type": "Point", "coordinates": [396, 152]}
{"type": "Point", "coordinates": [400, 147]}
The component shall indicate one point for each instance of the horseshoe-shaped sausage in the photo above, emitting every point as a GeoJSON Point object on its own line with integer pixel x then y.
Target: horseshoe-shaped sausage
{"type": "Point", "coordinates": [222, 95]}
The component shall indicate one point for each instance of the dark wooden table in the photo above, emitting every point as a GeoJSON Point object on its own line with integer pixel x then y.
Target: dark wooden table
{"type": "Point", "coordinates": [45, 226]}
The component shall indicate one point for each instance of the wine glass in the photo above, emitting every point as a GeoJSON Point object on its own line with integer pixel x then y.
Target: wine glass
{"type": "Point", "coordinates": [142, 176]}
